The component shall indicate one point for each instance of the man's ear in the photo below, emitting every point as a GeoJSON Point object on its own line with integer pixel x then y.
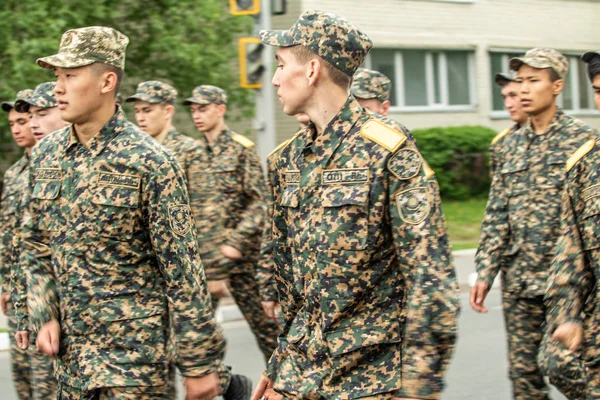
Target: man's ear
{"type": "Point", "coordinates": [313, 71]}
{"type": "Point", "coordinates": [170, 110]}
{"type": "Point", "coordinates": [109, 82]}
{"type": "Point", "coordinates": [558, 86]}
{"type": "Point", "coordinates": [222, 109]}
{"type": "Point", "coordinates": [385, 107]}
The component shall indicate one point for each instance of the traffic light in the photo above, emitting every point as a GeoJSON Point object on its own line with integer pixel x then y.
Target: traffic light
{"type": "Point", "coordinates": [244, 7]}
{"type": "Point", "coordinates": [251, 65]}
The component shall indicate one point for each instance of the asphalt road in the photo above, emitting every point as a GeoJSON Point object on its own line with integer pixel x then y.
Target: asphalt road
{"type": "Point", "coordinates": [478, 371]}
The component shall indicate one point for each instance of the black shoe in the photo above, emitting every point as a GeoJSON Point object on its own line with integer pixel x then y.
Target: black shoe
{"type": "Point", "coordinates": [240, 388]}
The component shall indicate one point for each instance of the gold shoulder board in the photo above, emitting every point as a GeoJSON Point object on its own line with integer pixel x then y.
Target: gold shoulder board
{"type": "Point", "coordinates": [428, 171]}
{"type": "Point", "coordinates": [243, 140]}
{"type": "Point", "coordinates": [385, 136]}
{"type": "Point", "coordinates": [578, 155]}
{"type": "Point", "coordinates": [499, 136]}
{"type": "Point", "coordinates": [284, 144]}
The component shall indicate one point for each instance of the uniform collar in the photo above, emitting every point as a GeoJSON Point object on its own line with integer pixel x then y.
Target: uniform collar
{"type": "Point", "coordinates": [557, 123]}
{"type": "Point", "coordinates": [222, 140]}
{"type": "Point", "coordinates": [101, 139]}
{"type": "Point", "coordinates": [171, 137]}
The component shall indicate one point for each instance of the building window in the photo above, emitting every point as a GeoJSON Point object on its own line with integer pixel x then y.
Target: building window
{"type": "Point", "coordinates": [577, 94]}
{"type": "Point", "coordinates": [427, 80]}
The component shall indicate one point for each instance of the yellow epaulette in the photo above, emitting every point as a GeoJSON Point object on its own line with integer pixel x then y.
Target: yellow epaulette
{"type": "Point", "coordinates": [243, 140]}
{"type": "Point", "coordinates": [499, 136]}
{"type": "Point", "coordinates": [385, 136]}
{"type": "Point", "coordinates": [428, 171]}
{"type": "Point", "coordinates": [578, 155]}
{"type": "Point", "coordinates": [284, 144]}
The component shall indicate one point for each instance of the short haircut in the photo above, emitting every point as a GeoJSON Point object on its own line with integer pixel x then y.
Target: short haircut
{"type": "Point", "coordinates": [553, 75]}
{"type": "Point", "coordinates": [100, 68]}
{"type": "Point", "coordinates": [594, 67]}
{"type": "Point", "coordinates": [303, 55]}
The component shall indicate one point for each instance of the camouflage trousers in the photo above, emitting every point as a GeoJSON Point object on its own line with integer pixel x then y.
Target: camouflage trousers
{"type": "Point", "coordinates": [525, 320]}
{"type": "Point", "coordinates": [65, 392]}
{"type": "Point", "coordinates": [32, 371]}
{"type": "Point", "coordinates": [564, 368]}
{"type": "Point", "coordinates": [317, 396]}
{"type": "Point", "coordinates": [244, 289]}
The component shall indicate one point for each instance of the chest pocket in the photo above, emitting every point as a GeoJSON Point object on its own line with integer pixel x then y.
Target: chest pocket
{"type": "Point", "coordinates": [47, 193]}
{"type": "Point", "coordinates": [289, 203]}
{"type": "Point", "coordinates": [226, 175]}
{"type": "Point", "coordinates": [514, 173]}
{"type": "Point", "coordinates": [115, 211]}
{"type": "Point", "coordinates": [345, 224]}
{"type": "Point", "coordinates": [590, 220]}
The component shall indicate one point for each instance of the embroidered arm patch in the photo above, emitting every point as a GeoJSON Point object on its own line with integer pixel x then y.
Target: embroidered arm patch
{"type": "Point", "coordinates": [405, 164]}
{"type": "Point", "coordinates": [180, 219]}
{"type": "Point", "coordinates": [414, 205]}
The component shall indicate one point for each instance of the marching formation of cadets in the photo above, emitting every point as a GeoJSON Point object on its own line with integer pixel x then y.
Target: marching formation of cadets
{"type": "Point", "coordinates": [119, 240]}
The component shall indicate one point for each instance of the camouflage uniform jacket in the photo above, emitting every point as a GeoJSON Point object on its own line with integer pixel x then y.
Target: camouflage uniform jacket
{"type": "Point", "coordinates": [520, 227]}
{"type": "Point", "coordinates": [11, 212]}
{"type": "Point", "coordinates": [497, 148]}
{"type": "Point", "coordinates": [573, 293]}
{"type": "Point", "coordinates": [108, 238]}
{"type": "Point", "coordinates": [228, 188]}
{"type": "Point", "coordinates": [362, 264]}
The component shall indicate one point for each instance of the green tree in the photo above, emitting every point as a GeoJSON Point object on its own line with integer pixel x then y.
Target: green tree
{"type": "Point", "coordinates": [184, 42]}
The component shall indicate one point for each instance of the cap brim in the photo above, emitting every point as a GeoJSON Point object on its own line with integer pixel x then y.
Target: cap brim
{"type": "Point", "coordinates": [141, 97]}
{"type": "Point", "coordinates": [277, 38]}
{"type": "Point", "coordinates": [503, 79]}
{"type": "Point", "coordinates": [588, 56]}
{"type": "Point", "coordinates": [22, 106]}
{"type": "Point", "coordinates": [63, 60]}
{"type": "Point", "coordinates": [7, 106]}
{"type": "Point", "coordinates": [363, 94]}
{"type": "Point", "coordinates": [193, 100]}
{"type": "Point", "coordinates": [515, 63]}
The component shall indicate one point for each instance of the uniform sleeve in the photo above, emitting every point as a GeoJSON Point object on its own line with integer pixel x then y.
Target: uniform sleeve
{"type": "Point", "coordinates": [251, 222]}
{"type": "Point", "coordinates": [5, 242]}
{"type": "Point", "coordinates": [199, 342]}
{"type": "Point", "coordinates": [495, 233]}
{"type": "Point", "coordinates": [432, 303]}
{"type": "Point", "coordinates": [18, 279]}
{"type": "Point", "coordinates": [266, 264]}
{"type": "Point", "coordinates": [571, 280]}
{"type": "Point", "coordinates": [42, 297]}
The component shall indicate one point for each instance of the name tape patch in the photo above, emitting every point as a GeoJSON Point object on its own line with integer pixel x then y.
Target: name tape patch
{"type": "Point", "coordinates": [122, 180]}
{"type": "Point", "coordinates": [48, 174]}
{"type": "Point", "coordinates": [591, 192]}
{"type": "Point", "coordinates": [342, 176]}
{"type": "Point", "coordinates": [292, 178]}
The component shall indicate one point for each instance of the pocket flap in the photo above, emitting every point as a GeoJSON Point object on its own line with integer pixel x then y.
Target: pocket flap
{"type": "Point", "coordinates": [289, 197]}
{"type": "Point", "coordinates": [341, 195]}
{"type": "Point", "coordinates": [591, 208]}
{"type": "Point", "coordinates": [225, 164]}
{"type": "Point", "coordinates": [514, 166]}
{"type": "Point", "coordinates": [556, 159]}
{"type": "Point", "coordinates": [348, 339]}
{"type": "Point", "coordinates": [46, 190]}
{"type": "Point", "coordinates": [116, 196]}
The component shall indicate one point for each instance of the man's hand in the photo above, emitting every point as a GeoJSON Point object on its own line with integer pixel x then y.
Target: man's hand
{"type": "Point", "coordinates": [230, 252]}
{"type": "Point", "coordinates": [218, 289]}
{"type": "Point", "coordinates": [478, 294]}
{"type": "Point", "coordinates": [22, 338]}
{"type": "Point", "coordinates": [48, 338]}
{"type": "Point", "coordinates": [269, 307]}
{"type": "Point", "coordinates": [570, 334]}
{"type": "Point", "coordinates": [4, 302]}
{"type": "Point", "coordinates": [264, 390]}
{"type": "Point", "coordinates": [202, 388]}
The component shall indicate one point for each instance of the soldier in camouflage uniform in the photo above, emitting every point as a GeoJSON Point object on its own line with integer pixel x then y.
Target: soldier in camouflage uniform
{"type": "Point", "coordinates": [573, 295]}
{"type": "Point", "coordinates": [11, 212]}
{"type": "Point", "coordinates": [229, 205]}
{"type": "Point", "coordinates": [520, 228]}
{"type": "Point", "coordinates": [510, 89]}
{"type": "Point", "coordinates": [361, 257]}
{"type": "Point", "coordinates": [372, 90]}
{"type": "Point", "coordinates": [154, 109]}
{"type": "Point", "coordinates": [109, 243]}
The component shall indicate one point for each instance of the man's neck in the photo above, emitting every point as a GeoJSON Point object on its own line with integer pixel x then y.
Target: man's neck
{"type": "Point", "coordinates": [28, 150]}
{"type": "Point", "coordinates": [95, 123]}
{"type": "Point", "coordinates": [326, 105]}
{"type": "Point", "coordinates": [213, 134]}
{"type": "Point", "coordinates": [542, 121]}
{"type": "Point", "coordinates": [163, 135]}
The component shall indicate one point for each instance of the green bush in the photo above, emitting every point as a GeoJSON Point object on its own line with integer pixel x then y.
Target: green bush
{"type": "Point", "coordinates": [459, 155]}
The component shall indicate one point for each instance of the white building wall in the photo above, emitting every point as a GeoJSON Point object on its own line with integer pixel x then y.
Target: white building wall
{"type": "Point", "coordinates": [481, 25]}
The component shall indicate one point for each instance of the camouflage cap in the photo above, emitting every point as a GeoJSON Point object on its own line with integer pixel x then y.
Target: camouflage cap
{"type": "Point", "coordinates": [85, 46]}
{"type": "Point", "coordinates": [154, 92]}
{"type": "Point", "coordinates": [542, 58]}
{"type": "Point", "coordinates": [207, 94]}
{"type": "Point", "coordinates": [21, 95]}
{"type": "Point", "coordinates": [503, 78]}
{"type": "Point", "coordinates": [330, 37]}
{"type": "Point", "coordinates": [43, 96]}
{"type": "Point", "coordinates": [589, 56]}
{"type": "Point", "coordinates": [369, 84]}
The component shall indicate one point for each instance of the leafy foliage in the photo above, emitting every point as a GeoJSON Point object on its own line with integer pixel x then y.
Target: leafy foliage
{"type": "Point", "coordinates": [460, 158]}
